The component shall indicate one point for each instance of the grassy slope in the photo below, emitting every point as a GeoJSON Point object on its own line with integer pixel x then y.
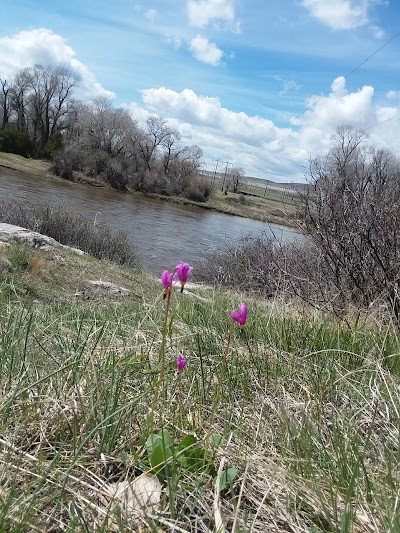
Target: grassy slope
{"type": "Point", "coordinates": [269, 208]}
{"type": "Point", "coordinates": [30, 166]}
{"type": "Point", "coordinates": [308, 410]}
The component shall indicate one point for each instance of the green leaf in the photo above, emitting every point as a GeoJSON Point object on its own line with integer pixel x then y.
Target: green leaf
{"type": "Point", "coordinates": [159, 459]}
{"type": "Point", "coordinates": [228, 476]}
{"type": "Point", "coordinates": [152, 441]}
{"type": "Point", "coordinates": [186, 442]}
{"type": "Point", "coordinates": [217, 439]}
{"type": "Point", "coordinates": [166, 438]}
{"type": "Point", "coordinates": [163, 437]}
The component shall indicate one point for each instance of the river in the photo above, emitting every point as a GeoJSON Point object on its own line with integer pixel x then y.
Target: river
{"type": "Point", "coordinates": [164, 232]}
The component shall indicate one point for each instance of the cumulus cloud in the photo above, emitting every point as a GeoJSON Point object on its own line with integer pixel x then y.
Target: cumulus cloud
{"type": "Point", "coordinates": [202, 12]}
{"type": "Point", "coordinates": [339, 14]}
{"type": "Point", "coordinates": [260, 146]}
{"type": "Point", "coordinates": [205, 51]}
{"type": "Point", "coordinates": [44, 47]}
{"type": "Point", "coordinates": [188, 107]}
{"type": "Point", "coordinates": [340, 107]}
{"type": "Point", "coordinates": [355, 109]}
{"type": "Point", "coordinates": [393, 95]}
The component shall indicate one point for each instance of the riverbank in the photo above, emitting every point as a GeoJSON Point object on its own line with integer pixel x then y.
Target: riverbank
{"type": "Point", "coordinates": [291, 424]}
{"type": "Point", "coordinates": [271, 208]}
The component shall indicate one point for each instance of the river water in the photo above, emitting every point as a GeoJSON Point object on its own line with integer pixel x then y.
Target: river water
{"type": "Point", "coordinates": [164, 232]}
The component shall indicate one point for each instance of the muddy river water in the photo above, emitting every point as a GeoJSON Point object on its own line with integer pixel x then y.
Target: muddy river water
{"type": "Point", "coordinates": [164, 232]}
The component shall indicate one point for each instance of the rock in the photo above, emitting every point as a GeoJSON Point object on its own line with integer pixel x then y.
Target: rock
{"type": "Point", "coordinates": [143, 493]}
{"type": "Point", "coordinates": [5, 264]}
{"type": "Point", "coordinates": [111, 288]}
{"type": "Point", "coordinates": [31, 238]}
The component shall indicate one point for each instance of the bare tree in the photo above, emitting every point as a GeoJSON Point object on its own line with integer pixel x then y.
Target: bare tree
{"type": "Point", "coordinates": [19, 96]}
{"type": "Point", "coordinates": [235, 178]}
{"type": "Point", "coordinates": [352, 214]}
{"type": "Point", "coordinates": [51, 89]}
{"type": "Point", "coordinates": [157, 133]}
{"type": "Point", "coordinates": [4, 102]}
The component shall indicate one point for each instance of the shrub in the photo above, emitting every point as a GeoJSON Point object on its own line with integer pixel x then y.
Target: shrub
{"type": "Point", "coordinates": [198, 191]}
{"type": "Point", "coordinates": [350, 253]}
{"type": "Point", "coordinates": [253, 264]}
{"type": "Point", "coordinates": [352, 214]}
{"type": "Point", "coordinates": [52, 146]}
{"type": "Point", "coordinates": [65, 162]}
{"type": "Point", "coordinates": [74, 230]}
{"type": "Point", "coordinates": [16, 142]}
{"type": "Point", "coordinates": [116, 175]}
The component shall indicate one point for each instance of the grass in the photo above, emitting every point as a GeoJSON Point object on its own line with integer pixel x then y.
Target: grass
{"type": "Point", "coordinates": [270, 208]}
{"type": "Point", "coordinates": [307, 408]}
{"type": "Point", "coordinates": [35, 167]}
{"type": "Point", "coordinates": [72, 229]}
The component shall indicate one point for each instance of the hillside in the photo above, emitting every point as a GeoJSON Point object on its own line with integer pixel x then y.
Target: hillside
{"type": "Point", "coordinates": [289, 425]}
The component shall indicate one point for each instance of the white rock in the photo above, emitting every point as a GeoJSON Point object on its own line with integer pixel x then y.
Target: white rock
{"type": "Point", "coordinates": [31, 238]}
{"type": "Point", "coordinates": [142, 493]}
{"type": "Point", "coordinates": [111, 288]}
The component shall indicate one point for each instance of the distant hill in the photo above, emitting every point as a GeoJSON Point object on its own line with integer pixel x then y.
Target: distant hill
{"type": "Point", "coordinates": [260, 181]}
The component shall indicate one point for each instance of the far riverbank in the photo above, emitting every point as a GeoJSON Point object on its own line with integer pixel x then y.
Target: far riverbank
{"type": "Point", "coordinates": [164, 232]}
{"type": "Point", "coordinates": [271, 208]}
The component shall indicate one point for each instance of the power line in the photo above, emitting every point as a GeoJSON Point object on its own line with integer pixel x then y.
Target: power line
{"type": "Point", "coordinates": [342, 78]}
{"type": "Point", "coordinates": [325, 148]}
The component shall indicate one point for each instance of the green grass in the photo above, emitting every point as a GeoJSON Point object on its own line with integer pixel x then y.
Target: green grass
{"type": "Point", "coordinates": [308, 408]}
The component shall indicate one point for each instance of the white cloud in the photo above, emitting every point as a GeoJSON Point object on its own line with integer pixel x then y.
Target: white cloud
{"type": "Point", "coordinates": [344, 108]}
{"type": "Point", "coordinates": [205, 51]}
{"type": "Point", "coordinates": [138, 113]}
{"type": "Point", "coordinates": [151, 14]}
{"type": "Point", "coordinates": [260, 146]}
{"type": "Point", "coordinates": [223, 133]}
{"type": "Point", "coordinates": [202, 12]}
{"type": "Point", "coordinates": [173, 40]}
{"type": "Point", "coordinates": [377, 32]}
{"type": "Point", "coordinates": [44, 47]}
{"type": "Point", "coordinates": [339, 14]}
{"type": "Point", "coordinates": [393, 95]}
{"type": "Point", "coordinates": [287, 85]}
{"type": "Point", "coordinates": [340, 107]}
{"type": "Point", "coordinates": [188, 107]}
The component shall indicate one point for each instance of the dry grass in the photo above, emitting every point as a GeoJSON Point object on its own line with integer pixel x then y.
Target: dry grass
{"type": "Point", "coordinates": [72, 229]}
{"type": "Point", "coordinates": [309, 411]}
{"type": "Point", "coordinates": [28, 165]}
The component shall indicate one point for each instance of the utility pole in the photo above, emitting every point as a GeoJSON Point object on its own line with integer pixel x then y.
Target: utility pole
{"type": "Point", "coordinates": [203, 169]}
{"type": "Point", "coordinates": [225, 173]}
{"type": "Point", "coordinates": [215, 170]}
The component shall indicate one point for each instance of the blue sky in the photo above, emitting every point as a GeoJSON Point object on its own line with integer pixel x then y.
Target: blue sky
{"type": "Point", "coordinates": [229, 74]}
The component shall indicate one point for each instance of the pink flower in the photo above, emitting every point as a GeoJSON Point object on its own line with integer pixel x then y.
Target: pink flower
{"type": "Point", "coordinates": [180, 362]}
{"type": "Point", "coordinates": [166, 280]}
{"type": "Point", "coordinates": [241, 316]}
{"type": "Point", "coordinates": [183, 271]}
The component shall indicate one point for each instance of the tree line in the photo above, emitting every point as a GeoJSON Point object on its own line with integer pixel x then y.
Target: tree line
{"type": "Point", "coordinates": [40, 117]}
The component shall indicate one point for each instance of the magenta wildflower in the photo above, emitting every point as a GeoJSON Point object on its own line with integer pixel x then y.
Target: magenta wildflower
{"type": "Point", "coordinates": [241, 316]}
{"type": "Point", "coordinates": [183, 271]}
{"type": "Point", "coordinates": [180, 362]}
{"type": "Point", "coordinates": [166, 280]}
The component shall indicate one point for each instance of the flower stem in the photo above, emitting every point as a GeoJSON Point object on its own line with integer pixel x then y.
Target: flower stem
{"type": "Point", "coordinates": [220, 381]}
{"type": "Point", "coordinates": [161, 360]}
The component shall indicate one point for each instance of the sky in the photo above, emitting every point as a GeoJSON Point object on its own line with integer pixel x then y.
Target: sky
{"type": "Point", "coordinates": [259, 84]}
